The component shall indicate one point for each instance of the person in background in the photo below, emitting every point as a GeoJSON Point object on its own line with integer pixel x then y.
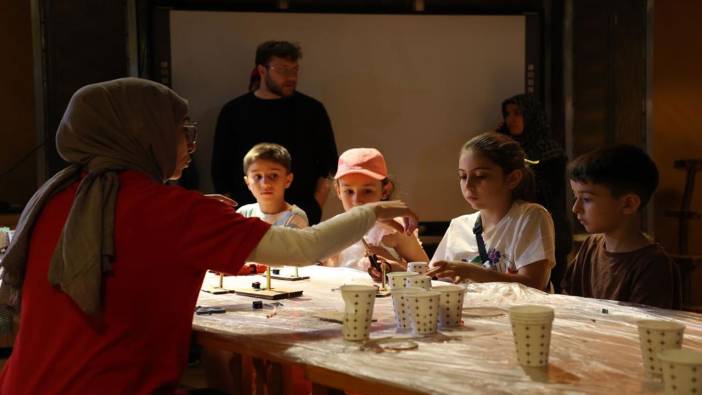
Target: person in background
{"type": "Point", "coordinates": [362, 177]}
{"type": "Point", "coordinates": [525, 121]}
{"type": "Point", "coordinates": [508, 239]}
{"type": "Point", "coordinates": [618, 261]}
{"type": "Point", "coordinates": [107, 261]}
{"type": "Point", "coordinates": [276, 112]}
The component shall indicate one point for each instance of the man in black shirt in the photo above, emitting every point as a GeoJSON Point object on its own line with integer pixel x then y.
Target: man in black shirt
{"type": "Point", "coordinates": [275, 112]}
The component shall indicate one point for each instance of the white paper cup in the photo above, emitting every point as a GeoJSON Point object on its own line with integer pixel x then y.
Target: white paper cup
{"type": "Point", "coordinates": [423, 312]}
{"type": "Point", "coordinates": [531, 327]}
{"type": "Point", "coordinates": [419, 281]}
{"type": "Point", "coordinates": [418, 267]}
{"type": "Point", "coordinates": [400, 304]}
{"type": "Point", "coordinates": [397, 279]}
{"type": "Point", "coordinates": [682, 371]}
{"type": "Point", "coordinates": [358, 312]}
{"type": "Point", "coordinates": [450, 304]}
{"type": "Point", "coordinates": [656, 336]}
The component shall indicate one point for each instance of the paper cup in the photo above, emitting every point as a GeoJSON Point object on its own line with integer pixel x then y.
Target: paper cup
{"type": "Point", "coordinates": [423, 311]}
{"type": "Point", "coordinates": [450, 305]}
{"type": "Point", "coordinates": [682, 371]}
{"type": "Point", "coordinates": [531, 327]}
{"type": "Point", "coordinates": [358, 312]}
{"type": "Point", "coordinates": [656, 336]}
{"type": "Point", "coordinates": [400, 304]}
{"type": "Point", "coordinates": [418, 281]}
{"type": "Point", "coordinates": [397, 279]}
{"type": "Point", "coordinates": [418, 267]}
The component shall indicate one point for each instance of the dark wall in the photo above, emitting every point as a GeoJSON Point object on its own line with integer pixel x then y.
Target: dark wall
{"type": "Point", "coordinates": [86, 42]}
{"type": "Point", "coordinates": [18, 137]}
{"type": "Point", "coordinates": [609, 73]}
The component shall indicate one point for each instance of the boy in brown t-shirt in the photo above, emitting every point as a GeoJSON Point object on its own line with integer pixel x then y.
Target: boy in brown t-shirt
{"type": "Point", "coordinates": [617, 261]}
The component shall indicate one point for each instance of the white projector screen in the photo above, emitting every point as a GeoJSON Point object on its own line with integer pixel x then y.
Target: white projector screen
{"type": "Point", "coordinates": [414, 86]}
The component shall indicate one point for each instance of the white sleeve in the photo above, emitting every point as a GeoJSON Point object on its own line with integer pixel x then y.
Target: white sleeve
{"type": "Point", "coordinates": [536, 239]}
{"type": "Point", "coordinates": [300, 247]}
{"type": "Point", "coordinates": [441, 250]}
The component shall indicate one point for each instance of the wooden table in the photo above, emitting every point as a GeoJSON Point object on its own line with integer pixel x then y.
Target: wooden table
{"type": "Point", "coordinates": [591, 351]}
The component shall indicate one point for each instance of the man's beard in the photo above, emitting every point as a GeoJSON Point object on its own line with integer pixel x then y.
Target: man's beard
{"type": "Point", "coordinates": [275, 88]}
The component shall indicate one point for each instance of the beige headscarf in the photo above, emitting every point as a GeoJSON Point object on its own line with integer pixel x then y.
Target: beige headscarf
{"type": "Point", "coordinates": [127, 123]}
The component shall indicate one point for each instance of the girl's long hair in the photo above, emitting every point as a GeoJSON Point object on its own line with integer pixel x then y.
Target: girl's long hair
{"type": "Point", "coordinates": [509, 155]}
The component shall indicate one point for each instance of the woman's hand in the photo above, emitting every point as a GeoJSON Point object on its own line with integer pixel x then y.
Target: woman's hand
{"type": "Point", "coordinates": [224, 199]}
{"type": "Point", "coordinates": [385, 211]}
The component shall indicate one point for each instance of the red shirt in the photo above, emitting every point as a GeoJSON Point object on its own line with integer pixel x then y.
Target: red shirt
{"type": "Point", "coordinates": [165, 239]}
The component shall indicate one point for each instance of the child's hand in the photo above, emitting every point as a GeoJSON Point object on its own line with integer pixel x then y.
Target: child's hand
{"type": "Point", "coordinates": [386, 211]}
{"type": "Point", "coordinates": [390, 266]}
{"type": "Point", "coordinates": [379, 251]}
{"type": "Point", "coordinates": [457, 272]}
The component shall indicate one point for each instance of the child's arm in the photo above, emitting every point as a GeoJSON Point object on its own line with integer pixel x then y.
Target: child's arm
{"type": "Point", "coordinates": [409, 248]}
{"type": "Point", "coordinates": [533, 275]}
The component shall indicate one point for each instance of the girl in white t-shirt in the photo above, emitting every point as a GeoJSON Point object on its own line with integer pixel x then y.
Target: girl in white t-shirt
{"type": "Point", "coordinates": [517, 237]}
{"type": "Point", "coordinates": [362, 177]}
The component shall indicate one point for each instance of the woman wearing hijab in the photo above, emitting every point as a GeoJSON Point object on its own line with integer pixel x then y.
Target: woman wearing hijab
{"type": "Point", "coordinates": [525, 121]}
{"type": "Point", "coordinates": [107, 261]}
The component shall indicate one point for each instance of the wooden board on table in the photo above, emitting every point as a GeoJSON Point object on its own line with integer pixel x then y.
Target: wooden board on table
{"type": "Point", "coordinates": [382, 293]}
{"type": "Point", "coordinates": [333, 316]}
{"type": "Point", "coordinates": [270, 294]}
{"type": "Point", "coordinates": [289, 278]}
{"type": "Point", "coordinates": [218, 290]}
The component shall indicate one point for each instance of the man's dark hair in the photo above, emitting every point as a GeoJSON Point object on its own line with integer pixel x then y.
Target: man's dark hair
{"type": "Point", "coordinates": [621, 168]}
{"type": "Point", "coordinates": [280, 49]}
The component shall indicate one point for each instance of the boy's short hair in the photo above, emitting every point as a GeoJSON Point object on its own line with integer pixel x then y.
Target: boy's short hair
{"type": "Point", "coordinates": [621, 168]}
{"type": "Point", "coordinates": [279, 49]}
{"type": "Point", "coordinates": [268, 151]}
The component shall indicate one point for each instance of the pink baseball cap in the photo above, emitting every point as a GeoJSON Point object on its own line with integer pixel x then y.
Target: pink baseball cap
{"type": "Point", "coordinates": [368, 161]}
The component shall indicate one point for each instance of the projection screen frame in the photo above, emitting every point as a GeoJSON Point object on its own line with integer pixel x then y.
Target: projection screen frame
{"type": "Point", "coordinates": [155, 55]}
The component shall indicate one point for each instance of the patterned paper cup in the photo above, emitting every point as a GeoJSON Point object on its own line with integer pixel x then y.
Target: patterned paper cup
{"type": "Point", "coordinates": [418, 267]}
{"type": "Point", "coordinates": [450, 305]}
{"type": "Point", "coordinates": [419, 281]}
{"type": "Point", "coordinates": [656, 336]}
{"type": "Point", "coordinates": [358, 312]}
{"type": "Point", "coordinates": [397, 279]}
{"type": "Point", "coordinates": [682, 371]}
{"type": "Point", "coordinates": [423, 312]}
{"type": "Point", "coordinates": [531, 327]}
{"type": "Point", "coordinates": [400, 304]}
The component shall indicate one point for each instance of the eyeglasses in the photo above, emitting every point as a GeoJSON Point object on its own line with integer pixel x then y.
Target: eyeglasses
{"type": "Point", "coordinates": [285, 71]}
{"type": "Point", "coordinates": [191, 130]}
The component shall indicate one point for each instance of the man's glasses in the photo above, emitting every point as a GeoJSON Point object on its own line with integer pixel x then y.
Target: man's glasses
{"type": "Point", "coordinates": [191, 130]}
{"type": "Point", "coordinates": [285, 71]}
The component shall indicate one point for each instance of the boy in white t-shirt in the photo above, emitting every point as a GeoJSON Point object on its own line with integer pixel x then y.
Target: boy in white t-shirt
{"type": "Point", "coordinates": [507, 239]}
{"type": "Point", "coordinates": [267, 175]}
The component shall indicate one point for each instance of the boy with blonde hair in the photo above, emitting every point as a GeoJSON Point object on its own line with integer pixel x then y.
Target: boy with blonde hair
{"type": "Point", "coordinates": [267, 175]}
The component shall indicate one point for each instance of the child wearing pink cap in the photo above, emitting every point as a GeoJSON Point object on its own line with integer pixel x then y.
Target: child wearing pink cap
{"type": "Point", "coordinates": [362, 177]}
